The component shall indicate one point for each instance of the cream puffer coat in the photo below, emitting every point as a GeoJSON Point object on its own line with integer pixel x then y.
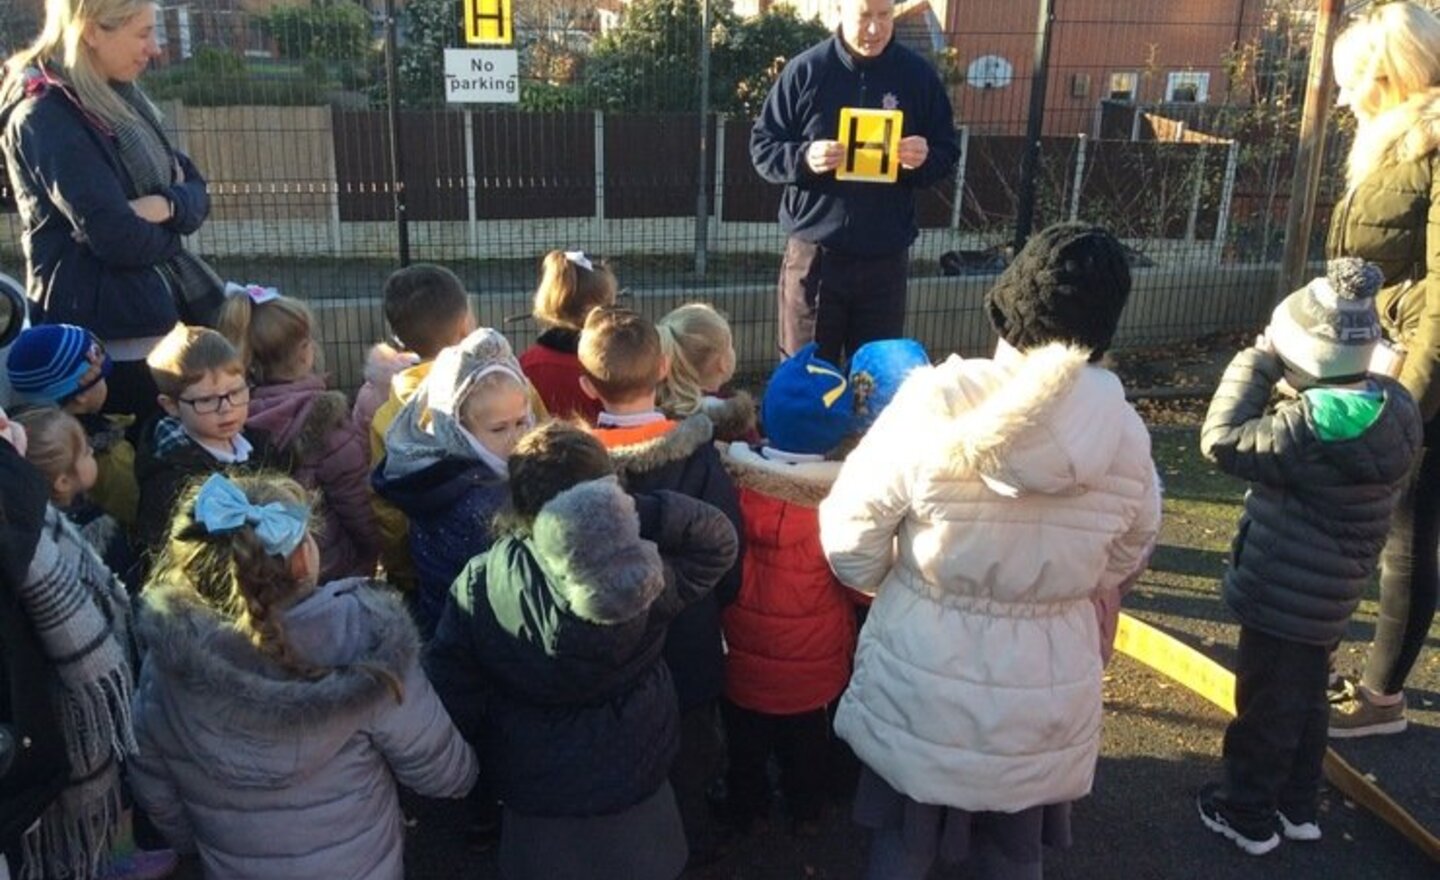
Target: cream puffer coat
{"type": "Point", "coordinates": [991, 508]}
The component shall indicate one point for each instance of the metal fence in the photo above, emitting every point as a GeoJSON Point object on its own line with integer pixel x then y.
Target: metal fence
{"type": "Point", "coordinates": [1170, 121]}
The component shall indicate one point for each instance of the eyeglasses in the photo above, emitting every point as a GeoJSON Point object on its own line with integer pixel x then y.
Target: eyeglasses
{"type": "Point", "coordinates": [204, 406]}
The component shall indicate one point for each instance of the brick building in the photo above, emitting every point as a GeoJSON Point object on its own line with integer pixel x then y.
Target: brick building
{"type": "Point", "coordinates": [1146, 51]}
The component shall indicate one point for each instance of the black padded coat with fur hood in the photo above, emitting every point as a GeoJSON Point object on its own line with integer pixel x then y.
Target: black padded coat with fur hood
{"type": "Point", "coordinates": [548, 654]}
{"type": "Point", "coordinates": [682, 458]}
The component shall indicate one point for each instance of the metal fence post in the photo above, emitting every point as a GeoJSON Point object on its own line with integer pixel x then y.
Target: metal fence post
{"type": "Point", "coordinates": [1227, 197]}
{"type": "Point", "coordinates": [332, 187]}
{"type": "Point", "coordinates": [1030, 163]}
{"type": "Point", "coordinates": [718, 216]}
{"type": "Point", "coordinates": [1192, 220]}
{"type": "Point", "coordinates": [397, 155]}
{"type": "Point", "coordinates": [472, 187]}
{"type": "Point", "coordinates": [959, 203]}
{"type": "Point", "coordinates": [702, 201]}
{"type": "Point", "coordinates": [600, 238]}
{"type": "Point", "coordinates": [1079, 177]}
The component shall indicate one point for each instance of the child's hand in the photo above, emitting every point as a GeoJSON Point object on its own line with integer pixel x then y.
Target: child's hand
{"type": "Point", "coordinates": [1263, 342]}
{"type": "Point", "coordinates": [12, 432]}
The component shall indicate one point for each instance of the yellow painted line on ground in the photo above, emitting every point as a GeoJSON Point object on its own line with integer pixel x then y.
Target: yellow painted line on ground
{"type": "Point", "coordinates": [1174, 659]}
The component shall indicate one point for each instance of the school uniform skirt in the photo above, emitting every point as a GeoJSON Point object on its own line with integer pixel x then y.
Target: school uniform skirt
{"type": "Point", "coordinates": [1009, 846]}
{"type": "Point", "coordinates": [644, 842]}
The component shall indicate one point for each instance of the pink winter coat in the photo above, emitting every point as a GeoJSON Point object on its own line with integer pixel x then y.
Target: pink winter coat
{"type": "Point", "coordinates": [331, 455]}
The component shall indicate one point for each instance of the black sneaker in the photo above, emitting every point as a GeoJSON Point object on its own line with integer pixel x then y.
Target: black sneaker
{"type": "Point", "coordinates": [1254, 839]}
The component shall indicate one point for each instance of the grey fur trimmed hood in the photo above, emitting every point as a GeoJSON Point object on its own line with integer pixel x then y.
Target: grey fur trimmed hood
{"type": "Point", "coordinates": [804, 483]}
{"type": "Point", "coordinates": [676, 444]}
{"type": "Point", "coordinates": [216, 680]}
{"type": "Point", "coordinates": [733, 417]}
{"type": "Point", "coordinates": [587, 541]}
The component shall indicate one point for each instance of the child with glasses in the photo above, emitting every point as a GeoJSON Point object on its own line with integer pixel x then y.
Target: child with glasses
{"type": "Point", "coordinates": [65, 366]}
{"type": "Point", "coordinates": [308, 421]}
{"type": "Point", "coordinates": [205, 397]}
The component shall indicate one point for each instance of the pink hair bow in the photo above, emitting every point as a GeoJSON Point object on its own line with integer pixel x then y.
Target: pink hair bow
{"type": "Point", "coordinates": [258, 295]}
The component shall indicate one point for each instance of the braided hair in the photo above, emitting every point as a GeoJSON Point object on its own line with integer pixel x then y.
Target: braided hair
{"type": "Point", "coordinates": [233, 574]}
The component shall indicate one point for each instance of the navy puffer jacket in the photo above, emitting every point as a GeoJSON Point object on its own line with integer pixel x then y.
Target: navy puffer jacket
{"type": "Point", "coordinates": [548, 655]}
{"type": "Point", "coordinates": [451, 505]}
{"type": "Point", "coordinates": [1317, 511]}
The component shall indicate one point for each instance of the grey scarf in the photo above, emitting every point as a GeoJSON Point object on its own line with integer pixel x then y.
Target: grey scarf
{"type": "Point", "coordinates": [150, 160]}
{"type": "Point", "coordinates": [81, 616]}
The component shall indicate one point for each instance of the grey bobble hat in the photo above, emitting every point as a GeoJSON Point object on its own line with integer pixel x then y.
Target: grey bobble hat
{"type": "Point", "coordinates": [1328, 329]}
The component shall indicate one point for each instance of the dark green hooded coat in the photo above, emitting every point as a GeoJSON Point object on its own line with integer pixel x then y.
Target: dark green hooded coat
{"type": "Point", "coordinates": [1390, 216]}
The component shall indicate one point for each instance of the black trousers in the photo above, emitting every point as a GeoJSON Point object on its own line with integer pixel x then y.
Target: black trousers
{"type": "Point", "coordinates": [1275, 746]}
{"type": "Point", "coordinates": [1408, 579]}
{"type": "Point", "coordinates": [838, 300]}
{"type": "Point", "coordinates": [801, 743]}
{"type": "Point", "coordinates": [696, 766]}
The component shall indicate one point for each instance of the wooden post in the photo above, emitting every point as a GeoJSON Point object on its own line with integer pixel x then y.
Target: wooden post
{"type": "Point", "coordinates": [1310, 152]}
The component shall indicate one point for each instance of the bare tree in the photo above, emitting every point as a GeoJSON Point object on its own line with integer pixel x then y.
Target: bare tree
{"type": "Point", "coordinates": [554, 38]}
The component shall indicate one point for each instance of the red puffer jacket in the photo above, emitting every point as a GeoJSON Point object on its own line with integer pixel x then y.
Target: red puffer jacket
{"type": "Point", "coordinates": [791, 631]}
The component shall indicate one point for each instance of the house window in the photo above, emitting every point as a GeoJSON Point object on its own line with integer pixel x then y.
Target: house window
{"type": "Point", "coordinates": [1187, 87]}
{"type": "Point", "coordinates": [1124, 86]}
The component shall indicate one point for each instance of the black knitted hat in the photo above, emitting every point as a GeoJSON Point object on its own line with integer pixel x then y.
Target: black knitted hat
{"type": "Point", "coordinates": [1068, 284]}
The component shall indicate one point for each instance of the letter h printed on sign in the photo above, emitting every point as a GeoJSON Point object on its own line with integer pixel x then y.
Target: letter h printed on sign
{"type": "Point", "coordinates": [871, 139]}
{"type": "Point", "coordinates": [489, 23]}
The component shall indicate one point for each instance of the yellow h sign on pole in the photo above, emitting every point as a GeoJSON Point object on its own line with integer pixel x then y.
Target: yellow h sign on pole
{"type": "Point", "coordinates": [489, 23]}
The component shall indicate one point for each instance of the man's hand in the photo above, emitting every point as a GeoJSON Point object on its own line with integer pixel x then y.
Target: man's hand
{"type": "Point", "coordinates": [913, 151]}
{"type": "Point", "coordinates": [824, 156]}
{"type": "Point", "coordinates": [155, 209]}
{"type": "Point", "coordinates": [1263, 342]}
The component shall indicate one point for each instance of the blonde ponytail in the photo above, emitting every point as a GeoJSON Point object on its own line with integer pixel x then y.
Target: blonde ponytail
{"type": "Point", "coordinates": [568, 291]}
{"type": "Point", "coordinates": [692, 337]}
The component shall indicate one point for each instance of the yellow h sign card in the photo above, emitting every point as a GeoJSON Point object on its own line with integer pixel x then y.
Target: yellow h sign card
{"type": "Point", "coordinates": [871, 139]}
{"type": "Point", "coordinates": [489, 23]}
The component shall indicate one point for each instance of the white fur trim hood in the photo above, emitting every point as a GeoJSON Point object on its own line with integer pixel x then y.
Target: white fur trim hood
{"type": "Point", "coordinates": [1400, 134]}
{"type": "Point", "coordinates": [1036, 436]}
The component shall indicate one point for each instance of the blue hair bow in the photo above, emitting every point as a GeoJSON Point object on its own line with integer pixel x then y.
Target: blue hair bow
{"type": "Point", "coordinates": [221, 507]}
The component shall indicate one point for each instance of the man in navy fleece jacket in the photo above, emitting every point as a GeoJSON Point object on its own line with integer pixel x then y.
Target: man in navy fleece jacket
{"type": "Point", "coordinates": [842, 282]}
